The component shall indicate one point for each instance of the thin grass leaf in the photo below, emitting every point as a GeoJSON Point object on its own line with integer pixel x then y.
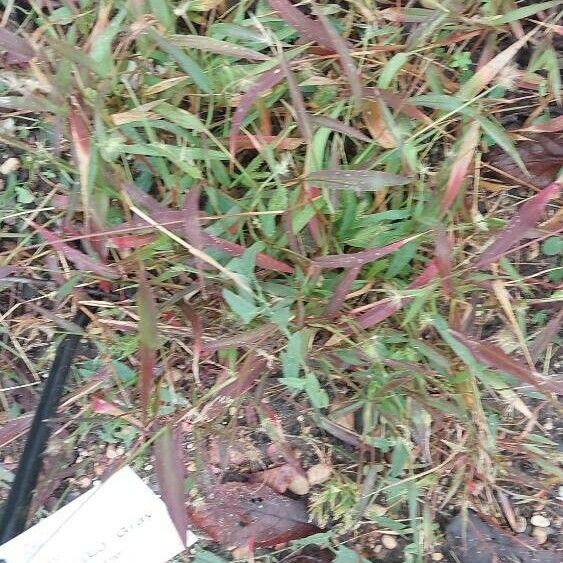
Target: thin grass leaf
{"type": "Point", "coordinates": [171, 474]}
{"type": "Point", "coordinates": [483, 77]}
{"type": "Point", "coordinates": [527, 217]}
{"type": "Point", "coordinates": [443, 259]}
{"type": "Point", "coordinates": [361, 180]}
{"type": "Point", "coordinates": [187, 64]}
{"type": "Point", "coordinates": [357, 259]}
{"type": "Point", "coordinates": [342, 48]}
{"type": "Point", "coordinates": [460, 166]}
{"type": "Point", "coordinates": [234, 249]}
{"type": "Point", "coordinates": [494, 357]}
{"type": "Point", "coordinates": [18, 48]}
{"type": "Point", "coordinates": [338, 126]}
{"type": "Point", "coordinates": [244, 142]}
{"type": "Point", "coordinates": [301, 115]}
{"type": "Point", "coordinates": [266, 81]}
{"type": "Point", "coordinates": [82, 261]}
{"type": "Point", "coordinates": [180, 117]}
{"type": "Point", "coordinates": [522, 12]}
{"type": "Point", "coordinates": [501, 138]}
{"type": "Point", "coordinates": [308, 29]}
{"type": "Point", "coordinates": [342, 289]}
{"type": "Point", "coordinates": [218, 47]}
{"type": "Point", "coordinates": [80, 134]}
{"type": "Point", "coordinates": [148, 339]}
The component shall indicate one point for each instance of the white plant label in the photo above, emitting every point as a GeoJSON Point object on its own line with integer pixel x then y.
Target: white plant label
{"type": "Point", "coordinates": [119, 521]}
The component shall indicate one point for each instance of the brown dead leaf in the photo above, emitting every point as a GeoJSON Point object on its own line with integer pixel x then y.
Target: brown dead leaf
{"type": "Point", "coordinates": [472, 540]}
{"type": "Point", "coordinates": [542, 154]}
{"type": "Point", "coordinates": [376, 126]}
{"type": "Point", "coordinates": [239, 514]}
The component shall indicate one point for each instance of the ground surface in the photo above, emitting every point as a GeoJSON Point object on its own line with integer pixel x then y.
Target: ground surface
{"type": "Point", "coordinates": [317, 268]}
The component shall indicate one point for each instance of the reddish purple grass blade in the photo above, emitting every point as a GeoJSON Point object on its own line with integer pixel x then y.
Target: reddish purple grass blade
{"type": "Point", "coordinates": [340, 127]}
{"type": "Point", "coordinates": [546, 335]}
{"type": "Point", "coordinates": [301, 115]}
{"type": "Point", "coordinates": [552, 126]}
{"type": "Point", "coordinates": [339, 296]}
{"type": "Point", "coordinates": [141, 198]}
{"type": "Point", "coordinates": [266, 81]}
{"type": "Point", "coordinates": [357, 259]}
{"type": "Point", "coordinates": [148, 339]}
{"type": "Point", "coordinates": [443, 259]}
{"type": "Point", "coordinates": [234, 249]}
{"type": "Point", "coordinates": [171, 474]}
{"type": "Point", "coordinates": [460, 166]}
{"type": "Point", "coordinates": [308, 29]}
{"type": "Point", "coordinates": [527, 217]}
{"type": "Point", "coordinates": [494, 357]}
{"type": "Point", "coordinates": [82, 261]}
{"type": "Point", "coordinates": [343, 50]}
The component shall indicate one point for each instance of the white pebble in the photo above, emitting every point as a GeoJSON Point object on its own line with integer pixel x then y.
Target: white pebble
{"type": "Point", "coordinates": [540, 521]}
{"type": "Point", "coordinates": [389, 542]}
{"type": "Point", "coordinates": [437, 557]}
{"type": "Point", "coordinates": [9, 165]}
{"type": "Point", "coordinates": [540, 535]}
{"type": "Point", "coordinates": [520, 525]}
{"type": "Point", "coordinates": [319, 473]}
{"type": "Point", "coordinates": [84, 482]}
{"type": "Point", "coordinates": [299, 485]}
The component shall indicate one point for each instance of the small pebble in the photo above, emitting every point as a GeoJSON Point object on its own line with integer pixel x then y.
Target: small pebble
{"type": "Point", "coordinates": [299, 485]}
{"type": "Point", "coordinates": [9, 165]}
{"type": "Point", "coordinates": [520, 525]}
{"type": "Point", "coordinates": [319, 473]}
{"type": "Point", "coordinates": [389, 542]}
{"type": "Point", "coordinates": [111, 452]}
{"type": "Point", "coordinates": [540, 535]}
{"type": "Point", "coordinates": [539, 521]}
{"type": "Point", "coordinates": [378, 549]}
{"type": "Point", "coordinates": [437, 557]}
{"type": "Point", "coordinates": [84, 482]}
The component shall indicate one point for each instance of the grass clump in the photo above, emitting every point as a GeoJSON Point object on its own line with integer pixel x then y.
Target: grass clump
{"type": "Point", "coordinates": [320, 211]}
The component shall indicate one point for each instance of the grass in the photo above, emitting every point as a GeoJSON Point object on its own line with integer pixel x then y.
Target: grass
{"type": "Point", "coordinates": [294, 223]}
